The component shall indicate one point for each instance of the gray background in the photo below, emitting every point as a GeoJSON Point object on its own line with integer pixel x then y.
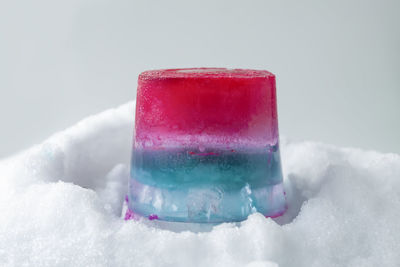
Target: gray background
{"type": "Point", "coordinates": [337, 62]}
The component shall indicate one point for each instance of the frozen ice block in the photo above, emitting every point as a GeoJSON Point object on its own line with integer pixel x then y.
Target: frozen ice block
{"type": "Point", "coordinates": [206, 146]}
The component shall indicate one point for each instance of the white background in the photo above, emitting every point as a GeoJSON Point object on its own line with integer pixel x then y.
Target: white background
{"type": "Point", "coordinates": [337, 62]}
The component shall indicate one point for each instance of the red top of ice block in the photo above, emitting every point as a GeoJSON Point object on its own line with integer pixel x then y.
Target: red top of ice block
{"type": "Point", "coordinates": [202, 73]}
{"type": "Point", "coordinates": [205, 106]}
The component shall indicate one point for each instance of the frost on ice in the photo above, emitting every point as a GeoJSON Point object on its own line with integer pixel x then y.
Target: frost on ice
{"type": "Point", "coordinates": [61, 201]}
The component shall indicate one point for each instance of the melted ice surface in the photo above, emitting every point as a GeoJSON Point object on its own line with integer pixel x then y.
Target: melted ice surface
{"type": "Point", "coordinates": [61, 201]}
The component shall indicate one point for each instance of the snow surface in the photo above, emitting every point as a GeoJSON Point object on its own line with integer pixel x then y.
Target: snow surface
{"type": "Point", "coordinates": [61, 201]}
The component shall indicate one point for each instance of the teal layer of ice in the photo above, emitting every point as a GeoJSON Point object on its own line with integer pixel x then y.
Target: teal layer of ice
{"type": "Point", "coordinates": [208, 186]}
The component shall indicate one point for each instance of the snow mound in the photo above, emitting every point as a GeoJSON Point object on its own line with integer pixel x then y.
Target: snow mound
{"type": "Point", "coordinates": [61, 201]}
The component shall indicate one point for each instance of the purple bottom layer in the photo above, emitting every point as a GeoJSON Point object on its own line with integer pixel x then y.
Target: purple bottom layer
{"type": "Point", "coordinates": [130, 215]}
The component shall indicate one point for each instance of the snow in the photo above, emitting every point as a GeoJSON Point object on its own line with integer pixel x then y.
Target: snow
{"type": "Point", "coordinates": [61, 202]}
